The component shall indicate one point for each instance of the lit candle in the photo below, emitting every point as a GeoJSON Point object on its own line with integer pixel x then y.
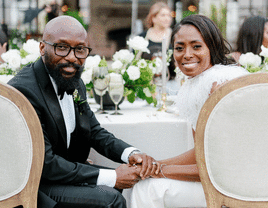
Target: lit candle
{"type": "Point", "coordinates": [164, 64]}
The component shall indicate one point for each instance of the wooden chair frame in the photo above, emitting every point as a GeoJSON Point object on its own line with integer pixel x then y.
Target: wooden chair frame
{"type": "Point", "coordinates": [214, 198]}
{"type": "Point", "coordinates": [28, 196]}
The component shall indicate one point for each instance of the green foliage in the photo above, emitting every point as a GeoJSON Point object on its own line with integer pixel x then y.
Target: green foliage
{"type": "Point", "coordinates": [219, 17]}
{"type": "Point", "coordinates": [187, 13]}
{"type": "Point", "coordinates": [89, 86]}
{"type": "Point", "coordinates": [17, 38]}
{"type": "Point", "coordinates": [103, 62]}
{"type": "Point", "coordinates": [75, 14]}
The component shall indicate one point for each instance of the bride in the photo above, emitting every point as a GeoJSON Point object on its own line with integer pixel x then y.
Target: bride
{"type": "Point", "coordinates": [200, 53]}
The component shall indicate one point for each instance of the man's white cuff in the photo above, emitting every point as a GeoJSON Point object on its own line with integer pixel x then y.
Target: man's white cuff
{"type": "Point", "coordinates": [107, 177]}
{"type": "Point", "coordinates": [127, 151]}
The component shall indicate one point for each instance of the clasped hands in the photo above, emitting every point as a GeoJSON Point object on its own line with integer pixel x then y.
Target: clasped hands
{"type": "Point", "coordinates": [140, 167]}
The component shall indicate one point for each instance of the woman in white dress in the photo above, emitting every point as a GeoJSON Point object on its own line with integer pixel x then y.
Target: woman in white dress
{"type": "Point", "coordinates": [200, 53]}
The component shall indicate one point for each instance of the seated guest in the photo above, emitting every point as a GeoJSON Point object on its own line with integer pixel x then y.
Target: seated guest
{"type": "Point", "coordinates": [200, 52]}
{"type": "Point", "coordinates": [252, 34]}
{"type": "Point", "coordinates": [71, 129]}
{"type": "Point", "coordinates": [158, 22]}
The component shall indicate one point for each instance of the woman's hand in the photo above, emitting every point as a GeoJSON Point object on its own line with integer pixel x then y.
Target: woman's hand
{"type": "Point", "coordinates": [148, 164]}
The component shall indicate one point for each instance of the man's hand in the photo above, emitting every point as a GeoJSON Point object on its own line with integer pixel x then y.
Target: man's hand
{"type": "Point", "coordinates": [127, 176]}
{"type": "Point", "coordinates": [149, 166]}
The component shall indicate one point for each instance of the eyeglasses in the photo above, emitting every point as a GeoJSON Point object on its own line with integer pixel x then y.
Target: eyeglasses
{"type": "Point", "coordinates": [63, 50]}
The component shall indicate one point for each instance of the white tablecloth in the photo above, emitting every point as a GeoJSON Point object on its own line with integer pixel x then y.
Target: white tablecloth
{"type": "Point", "coordinates": [159, 134]}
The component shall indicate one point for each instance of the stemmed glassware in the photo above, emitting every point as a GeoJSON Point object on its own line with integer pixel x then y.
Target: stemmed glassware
{"type": "Point", "coordinates": [116, 90]}
{"type": "Point", "coordinates": [100, 81]}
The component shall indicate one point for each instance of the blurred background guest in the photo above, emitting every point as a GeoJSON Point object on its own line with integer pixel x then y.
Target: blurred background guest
{"type": "Point", "coordinates": [158, 22]}
{"type": "Point", "coordinates": [52, 10]}
{"type": "Point", "coordinates": [252, 34]}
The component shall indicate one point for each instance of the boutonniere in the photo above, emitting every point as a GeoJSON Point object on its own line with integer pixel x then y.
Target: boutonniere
{"type": "Point", "coordinates": [77, 99]}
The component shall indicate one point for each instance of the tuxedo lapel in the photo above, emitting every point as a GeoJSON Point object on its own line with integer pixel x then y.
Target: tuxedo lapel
{"type": "Point", "coordinates": [50, 97]}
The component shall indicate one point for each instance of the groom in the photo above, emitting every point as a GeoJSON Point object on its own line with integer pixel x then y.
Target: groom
{"type": "Point", "coordinates": [70, 128]}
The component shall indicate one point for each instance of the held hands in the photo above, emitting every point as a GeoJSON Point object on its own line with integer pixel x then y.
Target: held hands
{"type": "Point", "coordinates": [127, 176]}
{"type": "Point", "coordinates": [140, 167]}
{"type": "Point", "coordinates": [149, 166]}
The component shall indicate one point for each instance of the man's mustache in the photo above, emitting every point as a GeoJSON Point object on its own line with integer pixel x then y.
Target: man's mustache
{"type": "Point", "coordinates": [76, 66]}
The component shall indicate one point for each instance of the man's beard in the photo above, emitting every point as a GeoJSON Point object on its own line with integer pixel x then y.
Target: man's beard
{"type": "Point", "coordinates": [55, 72]}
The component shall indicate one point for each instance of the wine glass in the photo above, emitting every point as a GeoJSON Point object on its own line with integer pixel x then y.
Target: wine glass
{"type": "Point", "coordinates": [116, 90]}
{"type": "Point", "coordinates": [100, 81]}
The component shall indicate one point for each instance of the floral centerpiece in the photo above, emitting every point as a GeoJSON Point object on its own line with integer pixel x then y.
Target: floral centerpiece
{"type": "Point", "coordinates": [254, 63]}
{"type": "Point", "coordinates": [15, 59]}
{"type": "Point", "coordinates": [137, 72]}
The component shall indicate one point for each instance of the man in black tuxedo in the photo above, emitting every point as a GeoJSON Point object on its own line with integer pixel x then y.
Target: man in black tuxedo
{"type": "Point", "coordinates": [71, 129]}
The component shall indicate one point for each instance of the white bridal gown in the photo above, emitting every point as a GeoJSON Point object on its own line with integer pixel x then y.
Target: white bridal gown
{"type": "Point", "coordinates": [160, 193]}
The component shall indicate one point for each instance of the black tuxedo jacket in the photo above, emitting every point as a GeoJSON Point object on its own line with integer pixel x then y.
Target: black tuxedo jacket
{"type": "Point", "coordinates": [66, 165]}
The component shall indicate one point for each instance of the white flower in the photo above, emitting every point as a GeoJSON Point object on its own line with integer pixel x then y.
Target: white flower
{"type": "Point", "coordinates": [12, 58]}
{"type": "Point", "coordinates": [124, 55]}
{"type": "Point", "coordinates": [147, 92]}
{"type": "Point", "coordinates": [142, 63]}
{"type": "Point", "coordinates": [5, 78]}
{"type": "Point", "coordinates": [133, 72]}
{"type": "Point", "coordinates": [139, 43]}
{"type": "Point", "coordinates": [117, 65]}
{"type": "Point", "coordinates": [7, 56]}
{"type": "Point", "coordinates": [29, 58]}
{"type": "Point", "coordinates": [92, 62]}
{"type": "Point", "coordinates": [87, 76]}
{"type": "Point", "coordinates": [123, 71]}
{"type": "Point", "coordinates": [14, 63]}
{"type": "Point", "coordinates": [3, 66]}
{"type": "Point", "coordinates": [264, 51]}
{"type": "Point", "coordinates": [114, 77]}
{"type": "Point", "coordinates": [158, 65]}
{"type": "Point", "coordinates": [31, 47]}
{"type": "Point", "coordinates": [250, 59]}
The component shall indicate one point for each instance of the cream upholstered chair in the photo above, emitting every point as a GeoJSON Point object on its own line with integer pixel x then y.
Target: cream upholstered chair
{"type": "Point", "coordinates": [21, 150]}
{"type": "Point", "coordinates": [231, 144]}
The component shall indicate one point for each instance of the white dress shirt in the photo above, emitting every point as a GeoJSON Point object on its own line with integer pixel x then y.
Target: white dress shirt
{"type": "Point", "coordinates": [106, 177]}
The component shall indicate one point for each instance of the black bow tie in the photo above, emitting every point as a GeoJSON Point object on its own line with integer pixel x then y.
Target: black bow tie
{"type": "Point", "coordinates": [61, 92]}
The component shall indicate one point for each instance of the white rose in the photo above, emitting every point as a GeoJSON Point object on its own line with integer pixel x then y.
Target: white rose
{"type": "Point", "coordinates": [124, 55]}
{"type": "Point", "coordinates": [123, 71]}
{"type": "Point", "coordinates": [133, 72]}
{"type": "Point", "coordinates": [147, 92]}
{"type": "Point", "coordinates": [139, 43]}
{"type": "Point", "coordinates": [87, 76]}
{"type": "Point", "coordinates": [114, 77]}
{"type": "Point", "coordinates": [5, 78]}
{"type": "Point", "coordinates": [31, 47]}
{"type": "Point", "coordinates": [142, 63]}
{"type": "Point", "coordinates": [152, 67]}
{"type": "Point", "coordinates": [29, 58]}
{"type": "Point", "coordinates": [9, 54]}
{"type": "Point", "coordinates": [92, 62]}
{"type": "Point", "coordinates": [264, 51]}
{"type": "Point", "coordinates": [117, 65]}
{"type": "Point", "coordinates": [250, 59]}
{"type": "Point", "coordinates": [14, 62]}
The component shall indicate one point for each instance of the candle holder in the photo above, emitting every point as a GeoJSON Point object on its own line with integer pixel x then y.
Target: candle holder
{"type": "Point", "coordinates": [163, 108]}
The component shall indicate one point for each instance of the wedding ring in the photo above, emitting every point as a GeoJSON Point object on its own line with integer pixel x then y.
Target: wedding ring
{"type": "Point", "coordinates": [154, 163]}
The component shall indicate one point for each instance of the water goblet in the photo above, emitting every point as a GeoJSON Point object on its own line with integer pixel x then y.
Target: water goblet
{"type": "Point", "coordinates": [100, 81]}
{"type": "Point", "coordinates": [116, 90]}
